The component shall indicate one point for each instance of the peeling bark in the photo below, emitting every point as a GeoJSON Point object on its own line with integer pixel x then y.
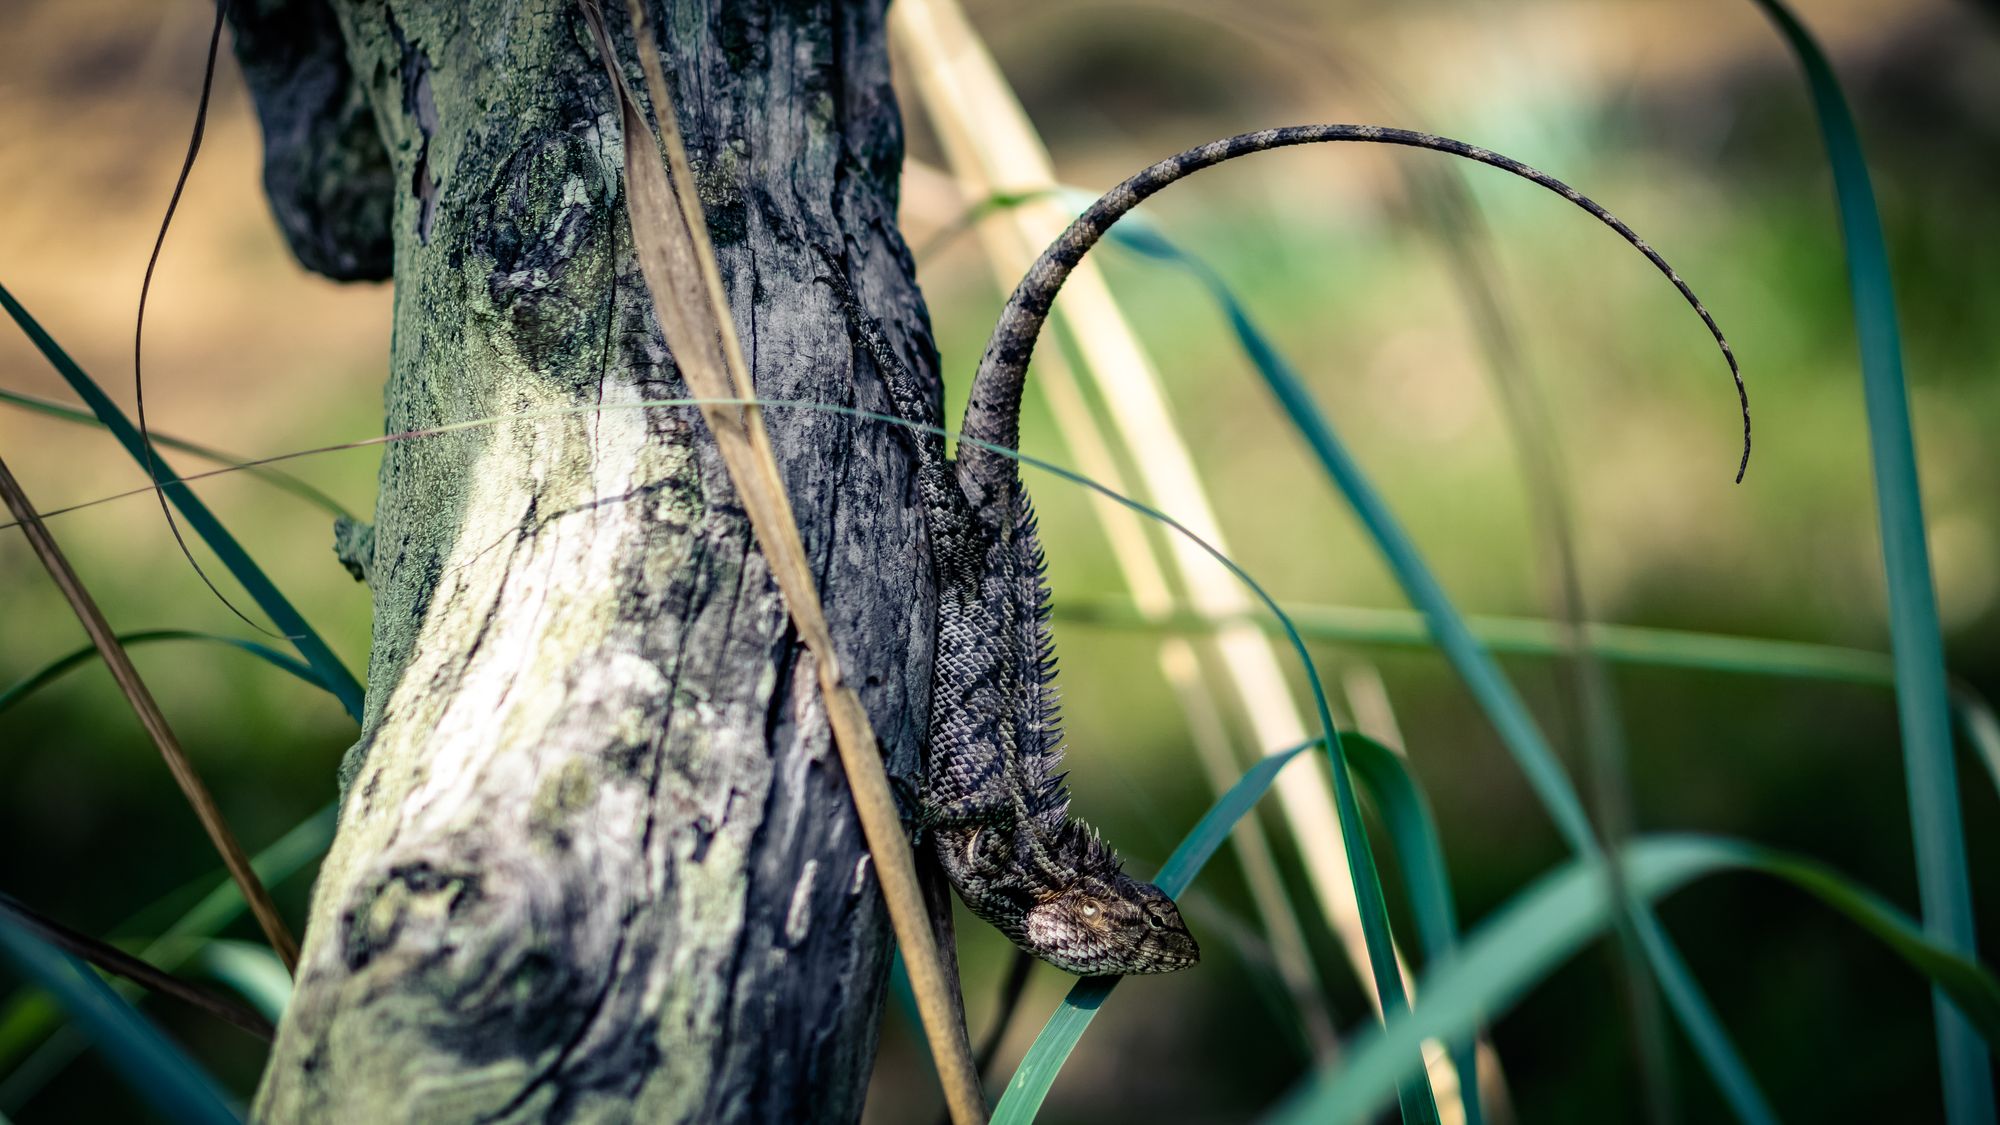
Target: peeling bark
{"type": "Point", "coordinates": [596, 858]}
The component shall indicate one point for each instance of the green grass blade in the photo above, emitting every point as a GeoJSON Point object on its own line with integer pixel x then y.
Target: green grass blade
{"type": "Point", "coordinates": [1526, 636]}
{"type": "Point", "coordinates": [1361, 865]}
{"type": "Point", "coordinates": [285, 857]}
{"type": "Point", "coordinates": [905, 998]}
{"type": "Point", "coordinates": [247, 573]}
{"type": "Point", "coordinates": [155, 1069]}
{"type": "Point", "coordinates": [1419, 1103]}
{"type": "Point", "coordinates": [1208, 834]}
{"type": "Point", "coordinates": [277, 477]}
{"type": "Point", "coordinates": [1943, 885]}
{"type": "Point", "coordinates": [1440, 192]}
{"type": "Point", "coordinates": [1490, 688]}
{"type": "Point", "coordinates": [1037, 1072]}
{"type": "Point", "coordinates": [1549, 922]}
{"type": "Point", "coordinates": [54, 669]}
{"type": "Point", "coordinates": [28, 1020]}
{"type": "Point", "coordinates": [1406, 812]}
{"type": "Point", "coordinates": [253, 971]}
{"type": "Point", "coordinates": [970, 217]}
{"type": "Point", "coordinates": [1981, 729]}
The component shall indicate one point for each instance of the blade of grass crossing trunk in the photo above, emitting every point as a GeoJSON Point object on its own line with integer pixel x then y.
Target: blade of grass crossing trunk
{"type": "Point", "coordinates": [246, 571]}
{"type": "Point", "coordinates": [286, 481]}
{"type": "Point", "coordinates": [989, 141]}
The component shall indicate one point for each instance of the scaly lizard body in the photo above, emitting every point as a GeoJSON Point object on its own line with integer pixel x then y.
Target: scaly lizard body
{"type": "Point", "coordinates": [995, 806]}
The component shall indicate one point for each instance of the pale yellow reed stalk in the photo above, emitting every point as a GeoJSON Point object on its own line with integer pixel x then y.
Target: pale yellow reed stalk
{"type": "Point", "coordinates": [678, 260]}
{"type": "Point", "coordinates": [992, 148]}
{"type": "Point", "coordinates": [152, 718]}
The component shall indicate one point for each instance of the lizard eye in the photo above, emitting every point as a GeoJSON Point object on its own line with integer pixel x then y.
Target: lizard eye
{"type": "Point", "coordinates": [1089, 910]}
{"type": "Point", "coordinates": [1153, 921]}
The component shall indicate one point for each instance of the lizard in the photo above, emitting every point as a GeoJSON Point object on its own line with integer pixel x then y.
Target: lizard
{"type": "Point", "coordinates": [995, 809]}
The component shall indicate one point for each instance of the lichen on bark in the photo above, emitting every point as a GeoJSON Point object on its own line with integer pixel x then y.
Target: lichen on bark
{"type": "Point", "coordinates": [596, 858]}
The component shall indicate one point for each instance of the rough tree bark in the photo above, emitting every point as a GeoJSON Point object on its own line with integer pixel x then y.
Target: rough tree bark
{"type": "Point", "coordinates": [596, 858]}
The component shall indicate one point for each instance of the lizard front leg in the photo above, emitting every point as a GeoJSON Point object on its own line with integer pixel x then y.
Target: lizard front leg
{"type": "Point", "coordinates": [994, 807]}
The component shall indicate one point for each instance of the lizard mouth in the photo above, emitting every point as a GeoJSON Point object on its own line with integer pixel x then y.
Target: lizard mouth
{"type": "Point", "coordinates": [1157, 965]}
{"type": "Point", "coordinates": [1176, 953]}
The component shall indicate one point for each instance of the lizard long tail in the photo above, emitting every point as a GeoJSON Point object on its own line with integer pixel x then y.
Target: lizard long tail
{"type": "Point", "coordinates": [993, 414]}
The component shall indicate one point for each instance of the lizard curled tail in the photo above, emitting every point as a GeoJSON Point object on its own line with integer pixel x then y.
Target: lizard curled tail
{"type": "Point", "coordinates": [992, 801]}
{"type": "Point", "coordinates": [995, 409]}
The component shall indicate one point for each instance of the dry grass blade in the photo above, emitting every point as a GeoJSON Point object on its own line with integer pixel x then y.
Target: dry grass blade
{"type": "Point", "coordinates": [1145, 575]}
{"type": "Point", "coordinates": [297, 487]}
{"type": "Point", "coordinates": [1375, 716]}
{"type": "Point", "coordinates": [151, 718]}
{"type": "Point", "coordinates": [993, 150]}
{"type": "Point", "coordinates": [679, 265]}
{"type": "Point", "coordinates": [117, 962]}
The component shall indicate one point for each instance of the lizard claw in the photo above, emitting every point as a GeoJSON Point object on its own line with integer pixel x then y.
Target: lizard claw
{"type": "Point", "coordinates": [910, 807]}
{"type": "Point", "coordinates": [906, 398]}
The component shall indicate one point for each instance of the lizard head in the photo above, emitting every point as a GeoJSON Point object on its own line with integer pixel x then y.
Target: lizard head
{"type": "Point", "coordinates": [1103, 925]}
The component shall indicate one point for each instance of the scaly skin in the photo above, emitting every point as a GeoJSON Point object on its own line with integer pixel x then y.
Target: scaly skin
{"type": "Point", "coordinates": [996, 813]}
{"type": "Point", "coordinates": [996, 809]}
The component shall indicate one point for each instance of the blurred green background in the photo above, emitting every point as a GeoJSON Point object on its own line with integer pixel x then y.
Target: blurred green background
{"type": "Point", "coordinates": [1687, 119]}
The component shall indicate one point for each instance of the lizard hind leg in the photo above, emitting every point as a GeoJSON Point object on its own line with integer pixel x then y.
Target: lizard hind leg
{"type": "Point", "coordinates": [944, 504]}
{"type": "Point", "coordinates": [907, 394]}
{"type": "Point", "coordinates": [923, 809]}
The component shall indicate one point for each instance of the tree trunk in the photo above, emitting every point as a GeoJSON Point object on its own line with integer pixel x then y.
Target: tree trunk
{"type": "Point", "coordinates": [596, 858]}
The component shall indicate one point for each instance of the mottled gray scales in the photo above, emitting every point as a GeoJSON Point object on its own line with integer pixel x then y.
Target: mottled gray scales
{"type": "Point", "coordinates": [992, 803]}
